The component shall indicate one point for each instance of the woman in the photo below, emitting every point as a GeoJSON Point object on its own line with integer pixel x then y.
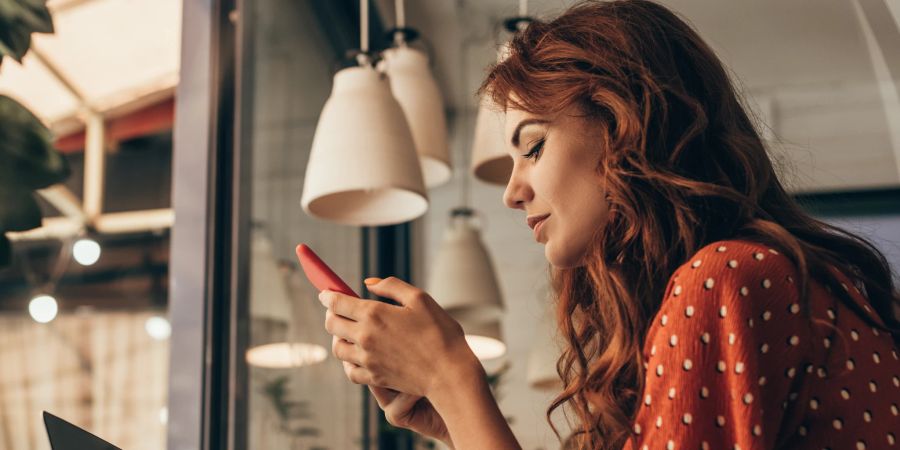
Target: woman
{"type": "Point", "coordinates": [701, 306]}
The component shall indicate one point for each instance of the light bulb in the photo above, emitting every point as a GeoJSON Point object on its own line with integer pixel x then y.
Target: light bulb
{"type": "Point", "coordinates": [485, 347]}
{"type": "Point", "coordinates": [43, 308]}
{"type": "Point", "coordinates": [158, 328]}
{"type": "Point", "coordinates": [86, 251]}
{"type": "Point", "coordinates": [164, 415]}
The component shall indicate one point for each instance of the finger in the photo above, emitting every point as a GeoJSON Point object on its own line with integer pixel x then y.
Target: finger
{"type": "Point", "coordinates": [384, 396]}
{"type": "Point", "coordinates": [399, 412]}
{"type": "Point", "coordinates": [341, 327]}
{"type": "Point", "coordinates": [393, 288]}
{"type": "Point", "coordinates": [347, 351]}
{"type": "Point", "coordinates": [344, 305]}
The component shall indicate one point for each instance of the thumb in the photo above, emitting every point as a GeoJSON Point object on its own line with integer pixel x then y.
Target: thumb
{"type": "Point", "coordinates": [392, 288]}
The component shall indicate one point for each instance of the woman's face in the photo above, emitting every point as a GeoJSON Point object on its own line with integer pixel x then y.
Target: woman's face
{"type": "Point", "coordinates": [558, 180]}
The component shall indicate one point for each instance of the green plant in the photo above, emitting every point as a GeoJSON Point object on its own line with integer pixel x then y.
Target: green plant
{"type": "Point", "coordinates": [28, 160]}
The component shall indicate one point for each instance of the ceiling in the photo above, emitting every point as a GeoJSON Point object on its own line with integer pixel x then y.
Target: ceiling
{"type": "Point", "coordinates": [105, 56]}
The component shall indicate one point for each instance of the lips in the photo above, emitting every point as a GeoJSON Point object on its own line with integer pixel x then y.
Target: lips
{"type": "Point", "coordinates": [537, 229]}
{"type": "Point", "coordinates": [533, 220]}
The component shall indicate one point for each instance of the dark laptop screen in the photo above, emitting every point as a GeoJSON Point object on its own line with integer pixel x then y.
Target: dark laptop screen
{"type": "Point", "coordinates": [65, 436]}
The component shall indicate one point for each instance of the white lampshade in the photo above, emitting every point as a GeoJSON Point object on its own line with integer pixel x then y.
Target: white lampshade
{"type": "Point", "coordinates": [271, 314]}
{"type": "Point", "coordinates": [363, 168]}
{"type": "Point", "coordinates": [417, 92]}
{"type": "Point", "coordinates": [545, 351]}
{"type": "Point", "coordinates": [485, 339]}
{"type": "Point", "coordinates": [462, 279]}
{"type": "Point", "coordinates": [490, 161]}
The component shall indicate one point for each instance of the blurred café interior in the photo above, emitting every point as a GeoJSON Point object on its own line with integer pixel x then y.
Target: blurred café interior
{"type": "Point", "coordinates": [159, 303]}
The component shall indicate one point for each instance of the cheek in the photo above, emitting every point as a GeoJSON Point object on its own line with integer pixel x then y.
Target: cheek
{"type": "Point", "coordinates": [552, 184]}
{"type": "Point", "coordinates": [581, 215]}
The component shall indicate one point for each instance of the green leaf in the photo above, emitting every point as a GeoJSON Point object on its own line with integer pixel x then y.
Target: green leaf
{"type": "Point", "coordinates": [14, 41]}
{"type": "Point", "coordinates": [27, 157]}
{"type": "Point", "coordinates": [18, 19]}
{"type": "Point", "coordinates": [19, 210]}
{"type": "Point", "coordinates": [36, 16]}
{"type": "Point", "coordinates": [5, 250]}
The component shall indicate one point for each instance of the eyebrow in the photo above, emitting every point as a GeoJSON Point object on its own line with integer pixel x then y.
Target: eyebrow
{"type": "Point", "coordinates": [522, 124]}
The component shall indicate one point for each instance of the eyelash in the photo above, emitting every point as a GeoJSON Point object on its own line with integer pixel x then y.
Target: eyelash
{"type": "Point", "coordinates": [535, 150]}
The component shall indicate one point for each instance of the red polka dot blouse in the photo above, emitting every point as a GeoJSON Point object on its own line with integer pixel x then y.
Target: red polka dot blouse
{"type": "Point", "coordinates": [733, 363]}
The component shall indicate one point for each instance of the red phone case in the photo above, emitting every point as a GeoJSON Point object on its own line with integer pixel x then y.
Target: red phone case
{"type": "Point", "coordinates": [319, 274]}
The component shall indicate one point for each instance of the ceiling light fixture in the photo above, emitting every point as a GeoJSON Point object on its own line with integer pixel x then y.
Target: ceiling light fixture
{"type": "Point", "coordinates": [490, 161]}
{"type": "Point", "coordinates": [43, 308]}
{"type": "Point", "coordinates": [271, 343]}
{"type": "Point", "coordinates": [363, 168]}
{"type": "Point", "coordinates": [416, 90]}
{"type": "Point", "coordinates": [86, 251]}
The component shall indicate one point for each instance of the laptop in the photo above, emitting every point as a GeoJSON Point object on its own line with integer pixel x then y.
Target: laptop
{"type": "Point", "coordinates": [65, 436]}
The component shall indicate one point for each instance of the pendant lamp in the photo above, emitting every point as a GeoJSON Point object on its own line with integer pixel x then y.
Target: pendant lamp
{"type": "Point", "coordinates": [271, 343]}
{"type": "Point", "coordinates": [416, 90]}
{"type": "Point", "coordinates": [462, 278]}
{"type": "Point", "coordinates": [490, 161]}
{"type": "Point", "coordinates": [363, 169]}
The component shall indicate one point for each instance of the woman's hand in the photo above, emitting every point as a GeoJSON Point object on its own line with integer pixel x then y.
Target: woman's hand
{"type": "Point", "coordinates": [409, 411]}
{"type": "Point", "coordinates": [414, 347]}
{"type": "Point", "coordinates": [417, 350]}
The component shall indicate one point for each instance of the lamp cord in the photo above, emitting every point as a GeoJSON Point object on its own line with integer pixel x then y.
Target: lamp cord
{"type": "Point", "coordinates": [55, 274]}
{"type": "Point", "coordinates": [364, 26]}
{"type": "Point", "coordinates": [462, 113]}
{"type": "Point", "coordinates": [462, 116]}
{"type": "Point", "coordinates": [401, 14]}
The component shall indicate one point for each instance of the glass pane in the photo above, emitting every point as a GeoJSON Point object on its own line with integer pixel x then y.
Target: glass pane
{"type": "Point", "coordinates": [298, 394]}
{"type": "Point", "coordinates": [84, 330]}
{"type": "Point", "coordinates": [100, 358]}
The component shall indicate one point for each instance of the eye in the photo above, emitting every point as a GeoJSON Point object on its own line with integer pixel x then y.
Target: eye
{"type": "Point", "coordinates": [535, 150]}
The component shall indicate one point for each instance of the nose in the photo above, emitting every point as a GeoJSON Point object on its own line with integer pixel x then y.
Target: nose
{"type": "Point", "coordinates": [517, 192]}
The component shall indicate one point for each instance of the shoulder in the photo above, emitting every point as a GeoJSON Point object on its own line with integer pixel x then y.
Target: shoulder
{"type": "Point", "coordinates": [735, 268]}
{"type": "Point", "coordinates": [724, 347]}
{"type": "Point", "coordinates": [730, 282]}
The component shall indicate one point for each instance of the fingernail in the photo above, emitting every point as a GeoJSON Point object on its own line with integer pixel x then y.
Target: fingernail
{"type": "Point", "coordinates": [322, 297]}
{"type": "Point", "coordinates": [372, 280]}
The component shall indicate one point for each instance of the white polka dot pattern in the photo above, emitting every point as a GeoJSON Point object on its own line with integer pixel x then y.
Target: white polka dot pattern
{"type": "Point", "coordinates": [714, 372]}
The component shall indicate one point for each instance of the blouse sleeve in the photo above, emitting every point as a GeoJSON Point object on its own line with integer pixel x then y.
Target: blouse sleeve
{"type": "Point", "coordinates": [723, 353]}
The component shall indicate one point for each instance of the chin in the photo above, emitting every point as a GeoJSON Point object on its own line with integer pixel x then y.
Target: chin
{"type": "Point", "coordinates": [562, 259]}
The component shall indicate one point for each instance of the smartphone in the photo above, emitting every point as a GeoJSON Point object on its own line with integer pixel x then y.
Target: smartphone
{"type": "Point", "coordinates": [319, 274]}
